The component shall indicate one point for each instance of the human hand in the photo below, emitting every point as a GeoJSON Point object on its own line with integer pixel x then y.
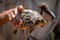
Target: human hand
{"type": "Point", "coordinates": [14, 16]}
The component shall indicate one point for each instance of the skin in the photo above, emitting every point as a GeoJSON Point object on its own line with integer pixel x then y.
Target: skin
{"type": "Point", "coordinates": [4, 16]}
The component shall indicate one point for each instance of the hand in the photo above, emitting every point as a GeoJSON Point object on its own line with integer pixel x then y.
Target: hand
{"type": "Point", "coordinates": [14, 17]}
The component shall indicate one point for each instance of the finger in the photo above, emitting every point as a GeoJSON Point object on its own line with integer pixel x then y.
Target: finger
{"type": "Point", "coordinates": [10, 15]}
{"type": "Point", "coordinates": [20, 8]}
{"type": "Point", "coordinates": [21, 22]}
{"type": "Point", "coordinates": [14, 21]}
{"type": "Point", "coordinates": [15, 11]}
